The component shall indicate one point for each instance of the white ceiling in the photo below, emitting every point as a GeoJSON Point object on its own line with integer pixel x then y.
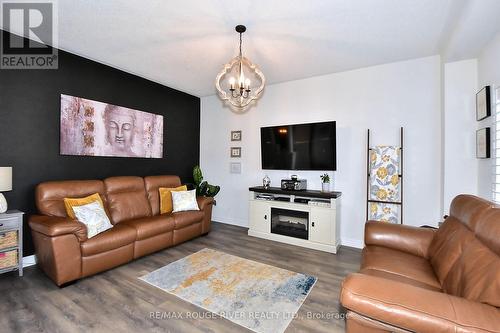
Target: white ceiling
{"type": "Point", "coordinates": [184, 43]}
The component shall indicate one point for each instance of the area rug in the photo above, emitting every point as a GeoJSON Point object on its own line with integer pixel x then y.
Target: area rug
{"type": "Point", "coordinates": [259, 297]}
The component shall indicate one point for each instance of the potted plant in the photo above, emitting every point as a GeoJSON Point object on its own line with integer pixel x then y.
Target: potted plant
{"type": "Point", "coordinates": [203, 188]}
{"type": "Point", "coordinates": [325, 182]}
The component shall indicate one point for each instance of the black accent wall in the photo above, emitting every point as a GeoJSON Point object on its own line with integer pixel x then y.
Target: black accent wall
{"type": "Point", "coordinates": [29, 127]}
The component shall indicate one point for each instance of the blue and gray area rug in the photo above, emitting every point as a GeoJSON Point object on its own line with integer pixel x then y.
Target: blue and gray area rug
{"type": "Point", "coordinates": [259, 297]}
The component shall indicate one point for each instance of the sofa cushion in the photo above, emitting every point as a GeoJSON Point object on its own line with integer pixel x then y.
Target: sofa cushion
{"type": "Point", "coordinates": [448, 245]}
{"type": "Point", "coordinates": [415, 309]}
{"type": "Point", "coordinates": [399, 263]}
{"type": "Point", "coordinates": [126, 198]}
{"type": "Point", "coordinates": [468, 209]}
{"type": "Point", "coordinates": [116, 237]}
{"type": "Point", "coordinates": [457, 230]}
{"type": "Point", "coordinates": [184, 219]}
{"type": "Point", "coordinates": [49, 196]}
{"type": "Point", "coordinates": [399, 237]}
{"type": "Point", "coordinates": [488, 230]}
{"type": "Point", "coordinates": [151, 226]}
{"type": "Point", "coordinates": [398, 278]}
{"type": "Point", "coordinates": [153, 183]}
{"type": "Point", "coordinates": [476, 273]}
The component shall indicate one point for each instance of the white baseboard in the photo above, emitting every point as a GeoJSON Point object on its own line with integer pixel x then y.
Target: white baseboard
{"type": "Point", "coordinates": [29, 261]}
{"type": "Point", "coordinates": [232, 221]}
{"type": "Point", "coordinates": [351, 242]}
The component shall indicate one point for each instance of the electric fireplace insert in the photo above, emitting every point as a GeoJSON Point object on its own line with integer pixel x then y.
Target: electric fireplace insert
{"type": "Point", "coordinates": [292, 223]}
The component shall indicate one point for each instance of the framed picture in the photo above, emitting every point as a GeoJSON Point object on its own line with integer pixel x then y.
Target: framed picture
{"type": "Point", "coordinates": [235, 135]}
{"type": "Point", "coordinates": [235, 151]}
{"type": "Point", "coordinates": [483, 143]}
{"type": "Point", "coordinates": [92, 128]}
{"type": "Point", "coordinates": [235, 167]}
{"type": "Point", "coordinates": [483, 104]}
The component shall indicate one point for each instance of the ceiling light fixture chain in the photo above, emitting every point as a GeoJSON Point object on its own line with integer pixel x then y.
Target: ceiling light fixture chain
{"type": "Point", "coordinates": [241, 42]}
{"type": "Point", "coordinates": [239, 93]}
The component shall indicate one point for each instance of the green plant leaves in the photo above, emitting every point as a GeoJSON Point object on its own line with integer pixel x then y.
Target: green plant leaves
{"type": "Point", "coordinates": [203, 188]}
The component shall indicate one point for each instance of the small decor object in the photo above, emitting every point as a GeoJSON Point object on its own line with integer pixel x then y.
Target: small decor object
{"type": "Point", "coordinates": [483, 104]}
{"type": "Point", "coordinates": [203, 188]}
{"type": "Point", "coordinates": [235, 167]}
{"type": "Point", "coordinates": [5, 185]}
{"type": "Point", "coordinates": [325, 182]}
{"type": "Point", "coordinates": [240, 82]}
{"type": "Point", "coordinates": [228, 285]}
{"type": "Point", "coordinates": [236, 152]}
{"type": "Point", "coordinates": [91, 128]}
{"type": "Point", "coordinates": [183, 201]}
{"type": "Point", "coordinates": [266, 181]}
{"type": "Point", "coordinates": [483, 143]}
{"type": "Point", "coordinates": [11, 242]}
{"type": "Point", "coordinates": [235, 135]}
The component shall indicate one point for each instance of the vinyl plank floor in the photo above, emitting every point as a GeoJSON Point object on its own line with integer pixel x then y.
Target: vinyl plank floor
{"type": "Point", "coordinates": [117, 301]}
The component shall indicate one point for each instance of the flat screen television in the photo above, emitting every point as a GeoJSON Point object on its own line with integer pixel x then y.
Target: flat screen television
{"type": "Point", "coordinates": [299, 147]}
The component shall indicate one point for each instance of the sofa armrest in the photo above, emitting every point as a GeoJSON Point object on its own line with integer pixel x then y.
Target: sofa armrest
{"type": "Point", "coordinates": [56, 226]}
{"type": "Point", "coordinates": [400, 237]}
{"type": "Point", "coordinates": [204, 202]}
{"type": "Point", "coordinates": [416, 309]}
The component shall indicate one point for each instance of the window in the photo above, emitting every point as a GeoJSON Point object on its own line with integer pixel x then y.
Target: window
{"type": "Point", "coordinates": [496, 146]}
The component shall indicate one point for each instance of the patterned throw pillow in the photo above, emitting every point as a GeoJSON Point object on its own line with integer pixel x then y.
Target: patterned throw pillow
{"type": "Point", "coordinates": [94, 217]}
{"type": "Point", "coordinates": [70, 203]}
{"type": "Point", "coordinates": [184, 200]}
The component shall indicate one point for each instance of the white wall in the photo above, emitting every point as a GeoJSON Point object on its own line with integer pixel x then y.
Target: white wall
{"type": "Point", "coordinates": [460, 163]}
{"type": "Point", "coordinates": [381, 98]}
{"type": "Point", "coordinates": [489, 74]}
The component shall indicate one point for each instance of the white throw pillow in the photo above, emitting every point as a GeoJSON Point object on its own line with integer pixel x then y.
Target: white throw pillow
{"type": "Point", "coordinates": [94, 217]}
{"type": "Point", "coordinates": [184, 200]}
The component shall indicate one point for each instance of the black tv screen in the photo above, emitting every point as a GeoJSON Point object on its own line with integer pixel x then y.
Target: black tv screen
{"type": "Point", "coordinates": [299, 147]}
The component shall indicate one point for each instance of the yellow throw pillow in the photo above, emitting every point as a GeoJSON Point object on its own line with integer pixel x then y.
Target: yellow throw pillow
{"type": "Point", "coordinates": [69, 203]}
{"type": "Point", "coordinates": [166, 206]}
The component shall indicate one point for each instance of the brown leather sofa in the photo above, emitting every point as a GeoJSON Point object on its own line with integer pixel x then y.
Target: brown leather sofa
{"type": "Point", "coordinates": [133, 205]}
{"type": "Point", "coordinates": [426, 280]}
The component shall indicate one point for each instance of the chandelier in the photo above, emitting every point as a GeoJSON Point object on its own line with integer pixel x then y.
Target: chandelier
{"type": "Point", "coordinates": [240, 82]}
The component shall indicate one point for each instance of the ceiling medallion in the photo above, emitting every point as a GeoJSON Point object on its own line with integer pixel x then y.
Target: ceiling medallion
{"type": "Point", "coordinates": [240, 82]}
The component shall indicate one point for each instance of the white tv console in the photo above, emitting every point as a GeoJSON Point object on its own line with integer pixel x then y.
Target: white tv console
{"type": "Point", "coordinates": [305, 218]}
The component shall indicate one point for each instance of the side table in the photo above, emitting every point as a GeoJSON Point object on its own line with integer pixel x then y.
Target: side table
{"type": "Point", "coordinates": [11, 241]}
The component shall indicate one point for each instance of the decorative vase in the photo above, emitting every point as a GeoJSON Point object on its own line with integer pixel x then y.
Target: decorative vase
{"type": "Point", "coordinates": [266, 181]}
{"type": "Point", "coordinates": [325, 187]}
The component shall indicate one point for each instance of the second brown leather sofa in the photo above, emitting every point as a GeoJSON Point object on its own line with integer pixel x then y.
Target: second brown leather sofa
{"type": "Point", "coordinates": [424, 280]}
{"type": "Point", "coordinates": [133, 205]}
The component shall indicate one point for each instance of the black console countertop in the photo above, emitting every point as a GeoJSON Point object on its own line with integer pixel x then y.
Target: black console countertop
{"type": "Point", "coordinates": [305, 193]}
